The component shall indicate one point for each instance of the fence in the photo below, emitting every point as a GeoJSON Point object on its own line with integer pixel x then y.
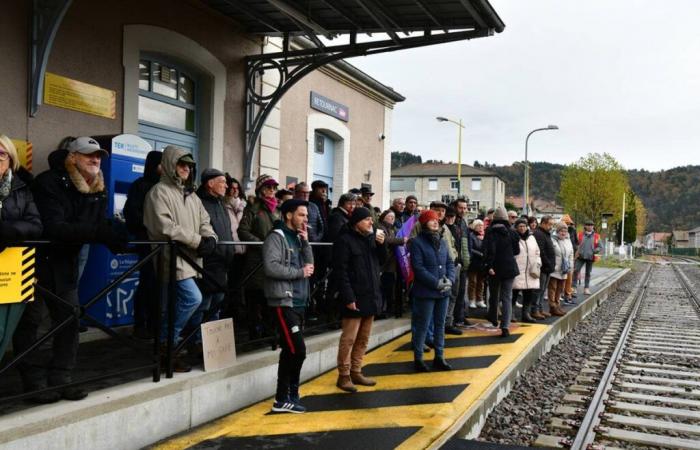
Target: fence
{"type": "Point", "coordinates": [165, 295]}
{"type": "Point", "coordinates": [693, 252]}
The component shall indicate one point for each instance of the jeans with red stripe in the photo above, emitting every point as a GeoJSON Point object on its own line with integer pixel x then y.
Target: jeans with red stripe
{"type": "Point", "coordinates": [289, 326]}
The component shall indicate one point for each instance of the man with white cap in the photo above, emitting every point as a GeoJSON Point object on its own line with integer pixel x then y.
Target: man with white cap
{"type": "Point", "coordinates": [72, 201]}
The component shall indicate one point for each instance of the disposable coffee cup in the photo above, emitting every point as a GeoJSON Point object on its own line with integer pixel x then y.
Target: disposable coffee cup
{"type": "Point", "coordinates": [380, 232]}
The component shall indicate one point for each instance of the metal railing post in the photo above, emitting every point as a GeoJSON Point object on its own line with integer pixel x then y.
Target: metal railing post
{"type": "Point", "coordinates": [172, 300]}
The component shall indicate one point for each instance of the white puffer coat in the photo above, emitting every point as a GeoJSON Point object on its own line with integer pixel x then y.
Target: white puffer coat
{"type": "Point", "coordinates": [528, 261]}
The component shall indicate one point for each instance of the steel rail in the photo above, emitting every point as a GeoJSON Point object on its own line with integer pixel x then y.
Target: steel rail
{"type": "Point", "coordinates": [587, 430]}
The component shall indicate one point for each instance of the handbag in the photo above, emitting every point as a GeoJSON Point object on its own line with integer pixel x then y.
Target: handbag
{"type": "Point", "coordinates": [535, 270]}
{"type": "Point", "coordinates": [565, 266]}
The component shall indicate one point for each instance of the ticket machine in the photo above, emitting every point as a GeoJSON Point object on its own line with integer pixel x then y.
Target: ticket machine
{"type": "Point", "coordinates": [126, 163]}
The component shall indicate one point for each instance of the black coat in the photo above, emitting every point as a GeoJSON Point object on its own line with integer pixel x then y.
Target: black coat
{"type": "Point", "coordinates": [70, 219]}
{"type": "Point", "coordinates": [501, 244]}
{"type": "Point", "coordinates": [336, 222]}
{"type": "Point", "coordinates": [133, 208]}
{"type": "Point", "coordinates": [544, 242]}
{"type": "Point", "coordinates": [357, 261]}
{"type": "Point", "coordinates": [19, 218]}
{"type": "Point", "coordinates": [217, 264]}
{"type": "Point", "coordinates": [476, 254]}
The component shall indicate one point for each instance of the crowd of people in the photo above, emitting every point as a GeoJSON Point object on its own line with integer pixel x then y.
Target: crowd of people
{"type": "Point", "coordinates": [459, 265]}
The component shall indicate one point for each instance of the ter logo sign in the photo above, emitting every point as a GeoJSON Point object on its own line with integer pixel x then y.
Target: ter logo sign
{"type": "Point", "coordinates": [330, 107]}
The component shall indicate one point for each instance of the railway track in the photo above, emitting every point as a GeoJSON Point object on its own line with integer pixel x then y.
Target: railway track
{"type": "Point", "coordinates": [642, 390]}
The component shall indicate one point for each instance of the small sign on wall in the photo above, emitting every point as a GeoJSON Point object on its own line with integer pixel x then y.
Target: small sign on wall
{"type": "Point", "coordinates": [78, 96]}
{"type": "Point", "coordinates": [218, 344]}
{"type": "Point", "coordinates": [330, 107]}
{"type": "Point", "coordinates": [17, 275]}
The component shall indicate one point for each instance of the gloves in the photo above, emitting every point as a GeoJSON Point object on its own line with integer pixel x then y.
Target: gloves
{"type": "Point", "coordinates": [113, 236]}
{"type": "Point", "coordinates": [207, 246]}
{"type": "Point", "coordinates": [444, 285]}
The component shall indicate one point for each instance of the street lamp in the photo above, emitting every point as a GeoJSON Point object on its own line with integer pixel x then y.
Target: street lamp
{"type": "Point", "coordinates": [526, 180]}
{"type": "Point", "coordinates": [459, 151]}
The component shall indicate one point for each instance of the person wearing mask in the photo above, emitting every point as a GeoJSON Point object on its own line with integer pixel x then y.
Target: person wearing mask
{"type": "Point", "coordinates": [358, 254]}
{"type": "Point", "coordinates": [316, 227]}
{"type": "Point", "coordinates": [258, 220]}
{"type": "Point", "coordinates": [475, 271]}
{"type": "Point", "coordinates": [501, 246]}
{"type": "Point", "coordinates": [529, 264]}
{"type": "Point", "coordinates": [434, 274]}
{"type": "Point", "coordinates": [144, 309]}
{"type": "Point", "coordinates": [569, 293]}
{"type": "Point", "coordinates": [544, 242]}
{"type": "Point", "coordinates": [411, 208]}
{"type": "Point", "coordinates": [288, 263]}
{"type": "Point", "coordinates": [563, 263]}
{"type": "Point", "coordinates": [173, 212]}
{"type": "Point", "coordinates": [588, 249]}
{"type": "Point", "coordinates": [72, 201]}
{"type": "Point", "coordinates": [390, 267]}
{"type": "Point", "coordinates": [212, 193]}
{"type": "Point", "coordinates": [19, 221]}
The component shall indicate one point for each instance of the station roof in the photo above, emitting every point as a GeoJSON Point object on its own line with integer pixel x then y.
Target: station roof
{"type": "Point", "coordinates": [334, 17]}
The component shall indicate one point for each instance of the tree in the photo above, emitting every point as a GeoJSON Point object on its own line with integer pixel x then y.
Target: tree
{"type": "Point", "coordinates": [509, 206]}
{"type": "Point", "coordinates": [641, 224]}
{"type": "Point", "coordinates": [400, 159]}
{"type": "Point", "coordinates": [592, 186]}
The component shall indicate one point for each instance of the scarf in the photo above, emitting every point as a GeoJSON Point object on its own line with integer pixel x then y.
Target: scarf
{"type": "Point", "coordinates": [524, 236]}
{"type": "Point", "coordinates": [271, 203]}
{"type": "Point", "coordinates": [433, 237]}
{"type": "Point", "coordinates": [5, 185]}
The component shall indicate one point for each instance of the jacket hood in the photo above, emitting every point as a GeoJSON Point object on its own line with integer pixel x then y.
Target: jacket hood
{"type": "Point", "coordinates": [171, 155]}
{"type": "Point", "coordinates": [57, 159]}
{"type": "Point", "coordinates": [499, 227]}
{"type": "Point", "coordinates": [150, 171]}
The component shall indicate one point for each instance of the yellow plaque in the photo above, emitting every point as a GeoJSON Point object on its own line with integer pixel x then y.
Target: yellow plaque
{"type": "Point", "coordinates": [76, 95]}
{"type": "Point", "coordinates": [24, 151]}
{"type": "Point", "coordinates": [17, 275]}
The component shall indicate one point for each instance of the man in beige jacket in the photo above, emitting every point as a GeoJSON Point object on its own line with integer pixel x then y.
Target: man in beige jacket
{"type": "Point", "coordinates": [173, 212]}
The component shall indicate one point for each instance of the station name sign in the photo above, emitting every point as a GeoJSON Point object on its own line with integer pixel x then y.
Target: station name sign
{"type": "Point", "coordinates": [330, 107]}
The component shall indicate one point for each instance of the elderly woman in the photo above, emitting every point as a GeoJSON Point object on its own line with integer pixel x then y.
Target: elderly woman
{"type": "Point", "coordinates": [19, 220]}
{"type": "Point", "coordinates": [475, 271]}
{"type": "Point", "coordinates": [386, 223]}
{"type": "Point", "coordinates": [529, 263]}
{"type": "Point", "coordinates": [563, 264]}
{"type": "Point", "coordinates": [258, 219]}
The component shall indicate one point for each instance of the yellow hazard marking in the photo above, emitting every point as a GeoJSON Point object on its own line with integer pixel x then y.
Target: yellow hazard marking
{"type": "Point", "coordinates": [434, 419]}
{"type": "Point", "coordinates": [17, 275]}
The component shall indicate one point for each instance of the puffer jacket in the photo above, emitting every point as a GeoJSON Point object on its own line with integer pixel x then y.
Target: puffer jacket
{"type": "Point", "coordinates": [429, 264]}
{"type": "Point", "coordinates": [527, 260]}
{"type": "Point", "coordinates": [217, 264]}
{"type": "Point", "coordinates": [544, 241]}
{"type": "Point", "coordinates": [562, 250]}
{"type": "Point", "coordinates": [173, 212]}
{"type": "Point", "coordinates": [476, 254]}
{"type": "Point", "coordinates": [19, 217]}
{"type": "Point", "coordinates": [500, 248]}
{"type": "Point", "coordinates": [256, 224]}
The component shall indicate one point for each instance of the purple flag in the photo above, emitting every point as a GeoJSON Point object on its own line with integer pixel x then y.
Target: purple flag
{"type": "Point", "coordinates": [403, 257]}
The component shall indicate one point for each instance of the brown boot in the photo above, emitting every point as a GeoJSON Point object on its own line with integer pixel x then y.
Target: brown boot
{"type": "Point", "coordinates": [345, 384]}
{"type": "Point", "coordinates": [538, 316]}
{"type": "Point", "coordinates": [557, 311]}
{"type": "Point", "coordinates": [546, 314]}
{"type": "Point", "coordinates": [179, 364]}
{"type": "Point", "coordinates": [362, 380]}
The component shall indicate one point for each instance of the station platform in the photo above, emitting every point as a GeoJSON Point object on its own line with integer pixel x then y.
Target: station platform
{"type": "Point", "coordinates": [405, 410]}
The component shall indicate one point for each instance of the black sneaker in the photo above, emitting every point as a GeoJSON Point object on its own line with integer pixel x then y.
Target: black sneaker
{"type": "Point", "coordinates": [420, 366]}
{"type": "Point", "coordinates": [74, 394]}
{"type": "Point", "coordinates": [44, 398]}
{"type": "Point", "coordinates": [288, 407]}
{"type": "Point", "coordinates": [441, 364]}
{"type": "Point", "coordinates": [453, 330]}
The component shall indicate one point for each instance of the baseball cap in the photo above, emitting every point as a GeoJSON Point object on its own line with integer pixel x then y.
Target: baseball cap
{"type": "Point", "coordinates": [86, 145]}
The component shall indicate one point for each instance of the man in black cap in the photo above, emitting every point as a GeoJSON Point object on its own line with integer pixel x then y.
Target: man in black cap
{"type": "Point", "coordinates": [212, 192]}
{"type": "Point", "coordinates": [366, 195]}
{"type": "Point", "coordinates": [319, 197]}
{"type": "Point", "coordinates": [288, 263]}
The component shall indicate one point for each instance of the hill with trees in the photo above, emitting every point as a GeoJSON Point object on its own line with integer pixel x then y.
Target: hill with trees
{"type": "Point", "coordinates": [671, 197]}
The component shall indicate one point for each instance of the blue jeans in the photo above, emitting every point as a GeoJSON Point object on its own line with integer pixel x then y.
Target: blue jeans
{"type": "Point", "coordinates": [424, 310]}
{"type": "Point", "coordinates": [188, 298]}
{"type": "Point", "coordinates": [209, 302]}
{"type": "Point", "coordinates": [429, 334]}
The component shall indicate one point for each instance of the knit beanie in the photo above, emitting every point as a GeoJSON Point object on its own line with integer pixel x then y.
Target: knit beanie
{"type": "Point", "coordinates": [500, 214]}
{"type": "Point", "coordinates": [359, 214]}
{"type": "Point", "coordinates": [264, 180]}
{"type": "Point", "coordinates": [426, 216]}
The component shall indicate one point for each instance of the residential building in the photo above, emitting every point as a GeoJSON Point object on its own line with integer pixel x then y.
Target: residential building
{"type": "Point", "coordinates": [694, 238]}
{"type": "Point", "coordinates": [438, 181]}
{"type": "Point", "coordinates": [680, 239]}
{"type": "Point", "coordinates": [657, 242]}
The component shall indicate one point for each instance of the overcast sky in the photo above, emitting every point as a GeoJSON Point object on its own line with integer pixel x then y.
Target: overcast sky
{"type": "Point", "coordinates": [620, 76]}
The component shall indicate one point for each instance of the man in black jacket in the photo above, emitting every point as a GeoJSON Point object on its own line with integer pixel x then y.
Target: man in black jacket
{"type": "Point", "coordinates": [358, 255]}
{"type": "Point", "coordinates": [216, 264]}
{"type": "Point", "coordinates": [72, 200]}
{"type": "Point", "coordinates": [133, 214]}
{"type": "Point", "coordinates": [544, 242]}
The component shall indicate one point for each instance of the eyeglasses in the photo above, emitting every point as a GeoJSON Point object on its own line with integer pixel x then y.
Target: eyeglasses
{"type": "Point", "coordinates": [4, 156]}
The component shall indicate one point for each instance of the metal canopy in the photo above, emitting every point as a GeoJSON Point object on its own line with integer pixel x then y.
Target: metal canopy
{"type": "Point", "coordinates": [406, 24]}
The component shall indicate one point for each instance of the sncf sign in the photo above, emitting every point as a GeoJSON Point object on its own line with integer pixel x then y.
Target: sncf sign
{"type": "Point", "coordinates": [328, 106]}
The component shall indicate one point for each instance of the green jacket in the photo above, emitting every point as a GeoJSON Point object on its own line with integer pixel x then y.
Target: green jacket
{"type": "Point", "coordinates": [256, 224]}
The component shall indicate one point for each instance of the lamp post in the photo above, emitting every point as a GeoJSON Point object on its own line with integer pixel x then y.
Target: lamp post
{"type": "Point", "coordinates": [526, 178]}
{"type": "Point", "coordinates": [460, 125]}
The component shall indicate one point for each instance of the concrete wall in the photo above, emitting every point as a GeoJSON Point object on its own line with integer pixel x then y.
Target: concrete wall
{"type": "Point", "coordinates": [367, 122]}
{"type": "Point", "coordinates": [88, 47]}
